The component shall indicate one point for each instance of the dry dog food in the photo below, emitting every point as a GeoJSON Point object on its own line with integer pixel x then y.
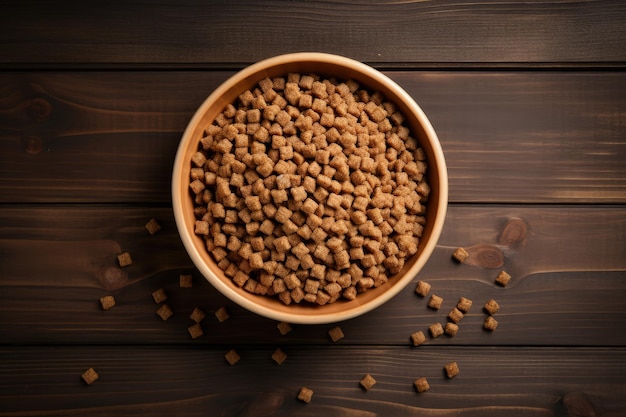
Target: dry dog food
{"type": "Point", "coordinates": [222, 314]}
{"type": "Point", "coordinates": [232, 357]}
{"type": "Point", "coordinates": [435, 329]}
{"type": "Point", "coordinates": [503, 278]}
{"type": "Point", "coordinates": [107, 302]}
{"type": "Point", "coordinates": [159, 296]}
{"type": "Point", "coordinates": [460, 255]}
{"type": "Point", "coordinates": [435, 302]}
{"type": "Point", "coordinates": [423, 288]}
{"type": "Point", "coordinates": [165, 312]}
{"type": "Point", "coordinates": [305, 394]}
{"type": "Point", "coordinates": [124, 259]}
{"type": "Point", "coordinates": [490, 323]}
{"type": "Point", "coordinates": [197, 315]}
{"type": "Point", "coordinates": [368, 382]}
{"type": "Point", "coordinates": [492, 306]}
{"type": "Point", "coordinates": [451, 329]}
{"type": "Point", "coordinates": [418, 338]}
{"type": "Point", "coordinates": [279, 356]}
{"type": "Point", "coordinates": [464, 305]}
{"type": "Point", "coordinates": [336, 334]}
{"type": "Point", "coordinates": [90, 376]}
{"type": "Point", "coordinates": [421, 385]}
{"type": "Point", "coordinates": [284, 328]}
{"type": "Point", "coordinates": [451, 369]}
{"type": "Point", "coordinates": [153, 226]}
{"type": "Point", "coordinates": [309, 189]}
{"type": "Point", "coordinates": [185, 281]}
{"type": "Point", "coordinates": [455, 315]}
{"type": "Point", "coordinates": [195, 330]}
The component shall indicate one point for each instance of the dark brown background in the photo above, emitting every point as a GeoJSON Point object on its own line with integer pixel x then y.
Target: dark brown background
{"type": "Point", "coordinates": [529, 102]}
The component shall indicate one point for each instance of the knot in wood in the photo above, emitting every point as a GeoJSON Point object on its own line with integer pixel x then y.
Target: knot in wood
{"type": "Point", "coordinates": [40, 108]}
{"type": "Point", "coordinates": [514, 232]}
{"type": "Point", "coordinates": [485, 255]}
{"type": "Point", "coordinates": [112, 277]}
{"type": "Point", "coordinates": [578, 405]}
{"type": "Point", "coordinates": [32, 145]}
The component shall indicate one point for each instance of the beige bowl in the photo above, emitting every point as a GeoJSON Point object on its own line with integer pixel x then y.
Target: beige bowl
{"type": "Point", "coordinates": [329, 66]}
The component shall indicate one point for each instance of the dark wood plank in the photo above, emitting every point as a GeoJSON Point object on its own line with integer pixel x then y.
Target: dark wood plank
{"type": "Point", "coordinates": [507, 136]}
{"type": "Point", "coordinates": [567, 264]}
{"type": "Point", "coordinates": [164, 381]}
{"type": "Point", "coordinates": [36, 33]}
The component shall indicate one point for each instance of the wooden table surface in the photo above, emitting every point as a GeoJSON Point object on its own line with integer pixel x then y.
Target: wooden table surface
{"type": "Point", "coordinates": [529, 102]}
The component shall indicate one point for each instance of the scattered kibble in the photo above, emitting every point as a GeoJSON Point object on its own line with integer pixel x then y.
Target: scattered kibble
{"type": "Point", "coordinates": [336, 334]}
{"type": "Point", "coordinates": [455, 315]}
{"type": "Point", "coordinates": [159, 296]}
{"type": "Point", "coordinates": [423, 288]}
{"type": "Point", "coordinates": [153, 226]}
{"type": "Point", "coordinates": [279, 356]}
{"type": "Point", "coordinates": [464, 305]}
{"type": "Point", "coordinates": [185, 281]}
{"type": "Point", "coordinates": [418, 338]}
{"type": "Point", "coordinates": [490, 323]}
{"type": "Point", "coordinates": [90, 376]}
{"type": "Point", "coordinates": [436, 330]}
{"type": "Point", "coordinates": [452, 369]}
{"type": "Point", "coordinates": [421, 385]}
{"type": "Point", "coordinates": [195, 330]}
{"type": "Point", "coordinates": [460, 255]}
{"type": "Point", "coordinates": [492, 306]}
{"type": "Point", "coordinates": [165, 312]}
{"type": "Point", "coordinates": [107, 302]}
{"type": "Point", "coordinates": [222, 314]}
{"type": "Point", "coordinates": [305, 394]}
{"type": "Point", "coordinates": [435, 302]}
{"type": "Point", "coordinates": [124, 259]}
{"type": "Point", "coordinates": [284, 328]}
{"type": "Point", "coordinates": [451, 329]}
{"type": "Point", "coordinates": [503, 278]}
{"type": "Point", "coordinates": [232, 357]}
{"type": "Point", "coordinates": [368, 382]}
{"type": "Point", "coordinates": [197, 315]}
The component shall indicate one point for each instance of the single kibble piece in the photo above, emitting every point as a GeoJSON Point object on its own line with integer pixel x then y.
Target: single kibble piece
{"type": "Point", "coordinates": [418, 338]}
{"type": "Point", "coordinates": [368, 382]}
{"type": "Point", "coordinates": [107, 302]}
{"type": "Point", "coordinates": [451, 329]}
{"type": "Point", "coordinates": [421, 385]}
{"type": "Point", "coordinates": [492, 306]}
{"type": "Point", "coordinates": [124, 259]}
{"type": "Point", "coordinates": [284, 328]}
{"type": "Point", "coordinates": [90, 376]}
{"type": "Point", "coordinates": [423, 288]}
{"type": "Point", "coordinates": [305, 394]}
{"type": "Point", "coordinates": [195, 330]}
{"type": "Point", "coordinates": [153, 226]}
{"type": "Point", "coordinates": [222, 314]}
{"type": "Point", "coordinates": [165, 312]}
{"type": "Point", "coordinates": [336, 334]}
{"type": "Point", "coordinates": [464, 305]}
{"type": "Point", "coordinates": [503, 278]}
{"type": "Point", "coordinates": [452, 369]}
{"type": "Point", "coordinates": [279, 356]}
{"type": "Point", "coordinates": [460, 255]}
{"type": "Point", "coordinates": [197, 315]}
{"type": "Point", "coordinates": [185, 281]}
{"type": "Point", "coordinates": [159, 296]}
{"type": "Point", "coordinates": [436, 330]}
{"type": "Point", "coordinates": [232, 357]}
{"type": "Point", "coordinates": [490, 323]}
{"type": "Point", "coordinates": [435, 302]}
{"type": "Point", "coordinates": [455, 315]}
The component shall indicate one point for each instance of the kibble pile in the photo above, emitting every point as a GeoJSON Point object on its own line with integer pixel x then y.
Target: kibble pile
{"type": "Point", "coordinates": [309, 189]}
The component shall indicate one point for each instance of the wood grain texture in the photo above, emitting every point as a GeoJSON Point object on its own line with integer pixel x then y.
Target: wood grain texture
{"type": "Point", "coordinates": [40, 33]}
{"type": "Point", "coordinates": [567, 288]}
{"type": "Point", "coordinates": [164, 381]}
{"type": "Point", "coordinates": [507, 136]}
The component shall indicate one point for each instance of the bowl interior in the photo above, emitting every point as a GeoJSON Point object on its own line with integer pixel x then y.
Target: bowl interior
{"type": "Point", "coordinates": [329, 66]}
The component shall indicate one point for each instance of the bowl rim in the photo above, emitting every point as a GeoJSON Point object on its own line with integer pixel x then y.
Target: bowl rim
{"type": "Point", "coordinates": [358, 308]}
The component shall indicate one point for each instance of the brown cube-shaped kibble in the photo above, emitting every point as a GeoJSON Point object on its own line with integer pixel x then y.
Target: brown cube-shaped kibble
{"type": "Point", "coordinates": [451, 329]}
{"type": "Point", "coordinates": [423, 288]}
{"type": "Point", "coordinates": [452, 369]}
{"type": "Point", "coordinates": [256, 260]}
{"type": "Point", "coordinates": [107, 302]}
{"type": "Point", "coordinates": [284, 328]}
{"type": "Point", "coordinates": [490, 323]}
{"type": "Point", "coordinates": [185, 281]}
{"type": "Point", "coordinates": [460, 254]}
{"type": "Point", "coordinates": [279, 356]}
{"type": "Point", "coordinates": [282, 244]}
{"type": "Point", "coordinates": [503, 278]}
{"type": "Point", "coordinates": [90, 376]}
{"type": "Point", "coordinates": [336, 334]}
{"type": "Point", "coordinates": [436, 330]}
{"type": "Point", "coordinates": [153, 226]}
{"type": "Point", "coordinates": [464, 305]}
{"type": "Point", "coordinates": [195, 330]}
{"type": "Point", "coordinates": [197, 315]}
{"type": "Point", "coordinates": [418, 338]}
{"type": "Point", "coordinates": [305, 394]}
{"type": "Point", "coordinates": [222, 314]}
{"type": "Point", "coordinates": [368, 382]}
{"type": "Point", "coordinates": [455, 315]}
{"type": "Point", "coordinates": [159, 296]}
{"type": "Point", "coordinates": [165, 312]}
{"type": "Point", "coordinates": [421, 385]}
{"type": "Point", "coordinates": [124, 259]}
{"type": "Point", "coordinates": [435, 302]}
{"type": "Point", "coordinates": [492, 306]}
{"type": "Point", "coordinates": [232, 357]}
